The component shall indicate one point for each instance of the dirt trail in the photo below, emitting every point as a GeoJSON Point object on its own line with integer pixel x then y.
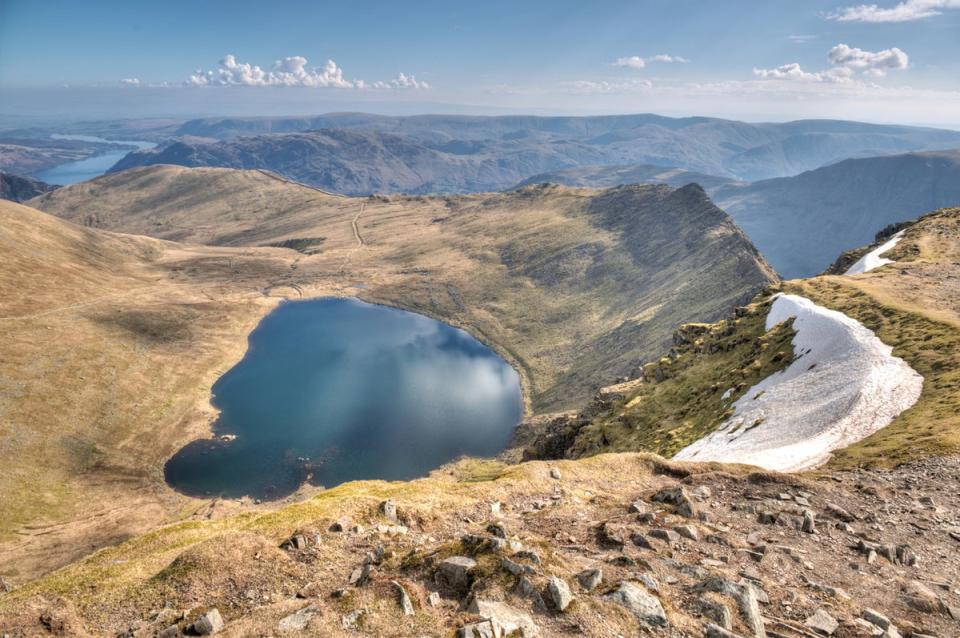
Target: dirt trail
{"type": "Point", "coordinates": [356, 225]}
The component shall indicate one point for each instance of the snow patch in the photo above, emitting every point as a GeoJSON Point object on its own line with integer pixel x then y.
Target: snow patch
{"type": "Point", "coordinates": [842, 386]}
{"type": "Point", "coordinates": [873, 258]}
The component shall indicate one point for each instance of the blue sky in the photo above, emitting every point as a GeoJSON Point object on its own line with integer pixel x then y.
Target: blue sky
{"type": "Point", "coordinates": [894, 61]}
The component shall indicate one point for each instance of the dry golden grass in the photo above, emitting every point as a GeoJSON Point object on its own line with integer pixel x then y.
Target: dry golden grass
{"type": "Point", "coordinates": [110, 343]}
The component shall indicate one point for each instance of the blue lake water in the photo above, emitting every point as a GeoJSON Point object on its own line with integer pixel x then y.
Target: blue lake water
{"type": "Point", "coordinates": [333, 390]}
{"type": "Point", "coordinates": [82, 170]}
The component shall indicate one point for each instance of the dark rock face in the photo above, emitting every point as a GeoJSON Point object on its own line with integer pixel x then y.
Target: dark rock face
{"type": "Point", "coordinates": [20, 189]}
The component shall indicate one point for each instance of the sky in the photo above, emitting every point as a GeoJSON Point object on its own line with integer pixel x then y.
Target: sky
{"type": "Point", "coordinates": [894, 61]}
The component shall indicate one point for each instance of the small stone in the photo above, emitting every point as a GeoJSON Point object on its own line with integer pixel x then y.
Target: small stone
{"type": "Point", "coordinates": [876, 618]}
{"type": "Point", "coordinates": [361, 575]}
{"type": "Point", "coordinates": [590, 579]}
{"type": "Point", "coordinates": [715, 631]}
{"type": "Point", "coordinates": [173, 631]}
{"type": "Point", "coordinates": [349, 621]}
{"type": "Point", "coordinates": [687, 531]}
{"type": "Point", "coordinates": [406, 605]}
{"type": "Point", "coordinates": [702, 492]}
{"type": "Point", "coordinates": [640, 540]}
{"type": "Point", "coordinates": [526, 589]}
{"type": "Point", "coordinates": [340, 525]}
{"type": "Point", "coordinates": [809, 524]}
{"type": "Point", "coordinates": [645, 607]}
{"type": "Point", "coordinates": [297, 541]}
{"type": "Point", "coordinates": [495, 508]}
{"type": "Point", "coordinates": [716, 611]}
{"type": "Point", "coordinates": [497, 529]}
{"type": "Point", "coordinates": [555, 473]}
{"type": "Point", "coordinates": [299, 620]}
{"type": "Point", "coordinates": [637, 507]}
{"type": "Point", "coordinates": [482, 629]}
{"type": "Point", "coordinates": [310, 590]}
{"type": "Point", "coordinates": [433, 599]}
{"type": "Point", "coordinates": [389, 509]}
{"type": "Point", "coordinates": [558, 594]}
{"type": "Point", "coordinates": [678, 497]}
{"type": "Point", "coordinates": [505, 620]}
{"type": "Point", "coordinates": [611, 534]}
{"type": "Point", "coordinates": [822, 623]}
{"type": "Point", "coordinates": [528, 554]}
{"type": "Point", "coordinates": [514, 567]}
{"type": "Point", "coordinates": [665, 535]}
{"type": "Point", "coordinates": [210, 622]}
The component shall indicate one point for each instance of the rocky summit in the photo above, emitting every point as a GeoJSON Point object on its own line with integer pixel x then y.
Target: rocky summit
{"type": "Point", "coordinates": [717, 551]}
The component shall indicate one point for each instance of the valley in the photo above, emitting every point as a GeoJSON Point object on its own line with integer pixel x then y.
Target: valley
{"type": "Point", "coordinates": [136, 330]}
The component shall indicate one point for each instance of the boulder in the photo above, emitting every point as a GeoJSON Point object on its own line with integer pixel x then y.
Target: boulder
{"type": "Point", "coordinates": [210, 622]}
{"type": "Point", "coordinates": [645, 607]}
{"type": "Point", "coordinates": [822, 623]}
{"type": "Point", "coordinates": [590, 579]}
{"type": "Point", "coordinates": [558, 593]}
{"type": "Point", "coordinates": [455, 573]}
{"type": "Point", "coordinates": [406, 605]}
{"type": "Point", "coordinates": [389, 509]}
{"type": "Point", "coordinates": [504, 619]}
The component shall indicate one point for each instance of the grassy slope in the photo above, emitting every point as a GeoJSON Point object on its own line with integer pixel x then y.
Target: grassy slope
{"type": "Point", "coordinates": [574, 286]}
{"type": "Point", "coordinates": [913, 305]}
{"type": "Point", "coordinates": [111, 343]}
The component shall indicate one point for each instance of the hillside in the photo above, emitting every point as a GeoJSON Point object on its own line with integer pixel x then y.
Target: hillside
{"type": "Point", "coordinates": [802, 223]}
{"type": "Point", "coordinates": [527, 269]}
{"type": "Point", "coordinates": [360, 153]}
{"type": "Point", "coordinates": [19, 189]}
{"type": "Point", "coordinates": [600, 545]}
{"type": "Point", "coordinates": [609, 176]}
{"type": "Point", "coordinates": [556, 280]}
{"type": "Point", "coordinates": [720, 378]}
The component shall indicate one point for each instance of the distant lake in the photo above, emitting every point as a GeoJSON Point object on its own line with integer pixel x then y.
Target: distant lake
{"type": "Point", "coordinates": [334, 390]}
{"type": "Point", "coordinates": [82, 170]}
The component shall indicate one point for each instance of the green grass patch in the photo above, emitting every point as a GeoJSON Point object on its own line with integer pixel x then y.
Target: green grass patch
{"type": "Point", "coordinates": [684, 397]}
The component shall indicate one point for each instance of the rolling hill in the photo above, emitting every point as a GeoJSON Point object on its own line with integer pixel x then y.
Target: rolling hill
{"type": "Point", "coordinates": [359, 153]}
{"type": "Point", "coordinates": [112, 342]}
{"type": "Point", "coordinates": [600, 544]}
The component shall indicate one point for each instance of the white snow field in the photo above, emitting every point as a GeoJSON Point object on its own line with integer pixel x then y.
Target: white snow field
{"type": "Point", "coordinates": [873, 258]}
{"type": "Point", "coordinates": [842, 386]}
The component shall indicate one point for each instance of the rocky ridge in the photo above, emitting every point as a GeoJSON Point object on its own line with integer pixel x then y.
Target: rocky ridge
{"type": "Point", "coordinates": [611, 545]}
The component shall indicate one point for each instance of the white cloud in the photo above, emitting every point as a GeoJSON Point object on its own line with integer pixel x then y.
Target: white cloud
{"type": "Point", "coordinates": [636, 62]}
{"type": "Point", "coordinates": [130, 82]}
{"type": "Point", "coordinates": [800, 39]}
{"type": "Point", "coordinates": [869, 62]}
{"type": "Point", "coordinates": [906, 11]}
{"type": "Point", "coordinates": [794, 71]}
{"type": "Point", "coordinates": [292, 71]}
{"type": "Point", "coordinates": [847, 61]}
{"type": "Point", "coordinates": [604, 86]}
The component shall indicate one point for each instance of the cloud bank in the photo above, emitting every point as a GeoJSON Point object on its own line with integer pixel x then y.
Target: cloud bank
{"type": "Point", "coordinates": [906, 11]}
{"type": "Point", "coordinates": [292, 72]}
{"type": "Point", "coordinates": [847, 62]}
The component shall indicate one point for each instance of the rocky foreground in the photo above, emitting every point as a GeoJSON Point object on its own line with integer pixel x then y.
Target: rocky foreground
{"type": "Point", "coordinates": [615, 545]}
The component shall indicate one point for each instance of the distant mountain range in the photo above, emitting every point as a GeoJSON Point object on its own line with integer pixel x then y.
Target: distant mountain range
{"type": "Point", "coordinates": [20, 189]}
{"type": "Point", "coordinates": [359, 153]}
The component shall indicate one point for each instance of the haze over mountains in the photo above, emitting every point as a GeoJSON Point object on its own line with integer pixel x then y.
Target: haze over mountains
{"type": "Point", "coordinates": [358, 153]}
